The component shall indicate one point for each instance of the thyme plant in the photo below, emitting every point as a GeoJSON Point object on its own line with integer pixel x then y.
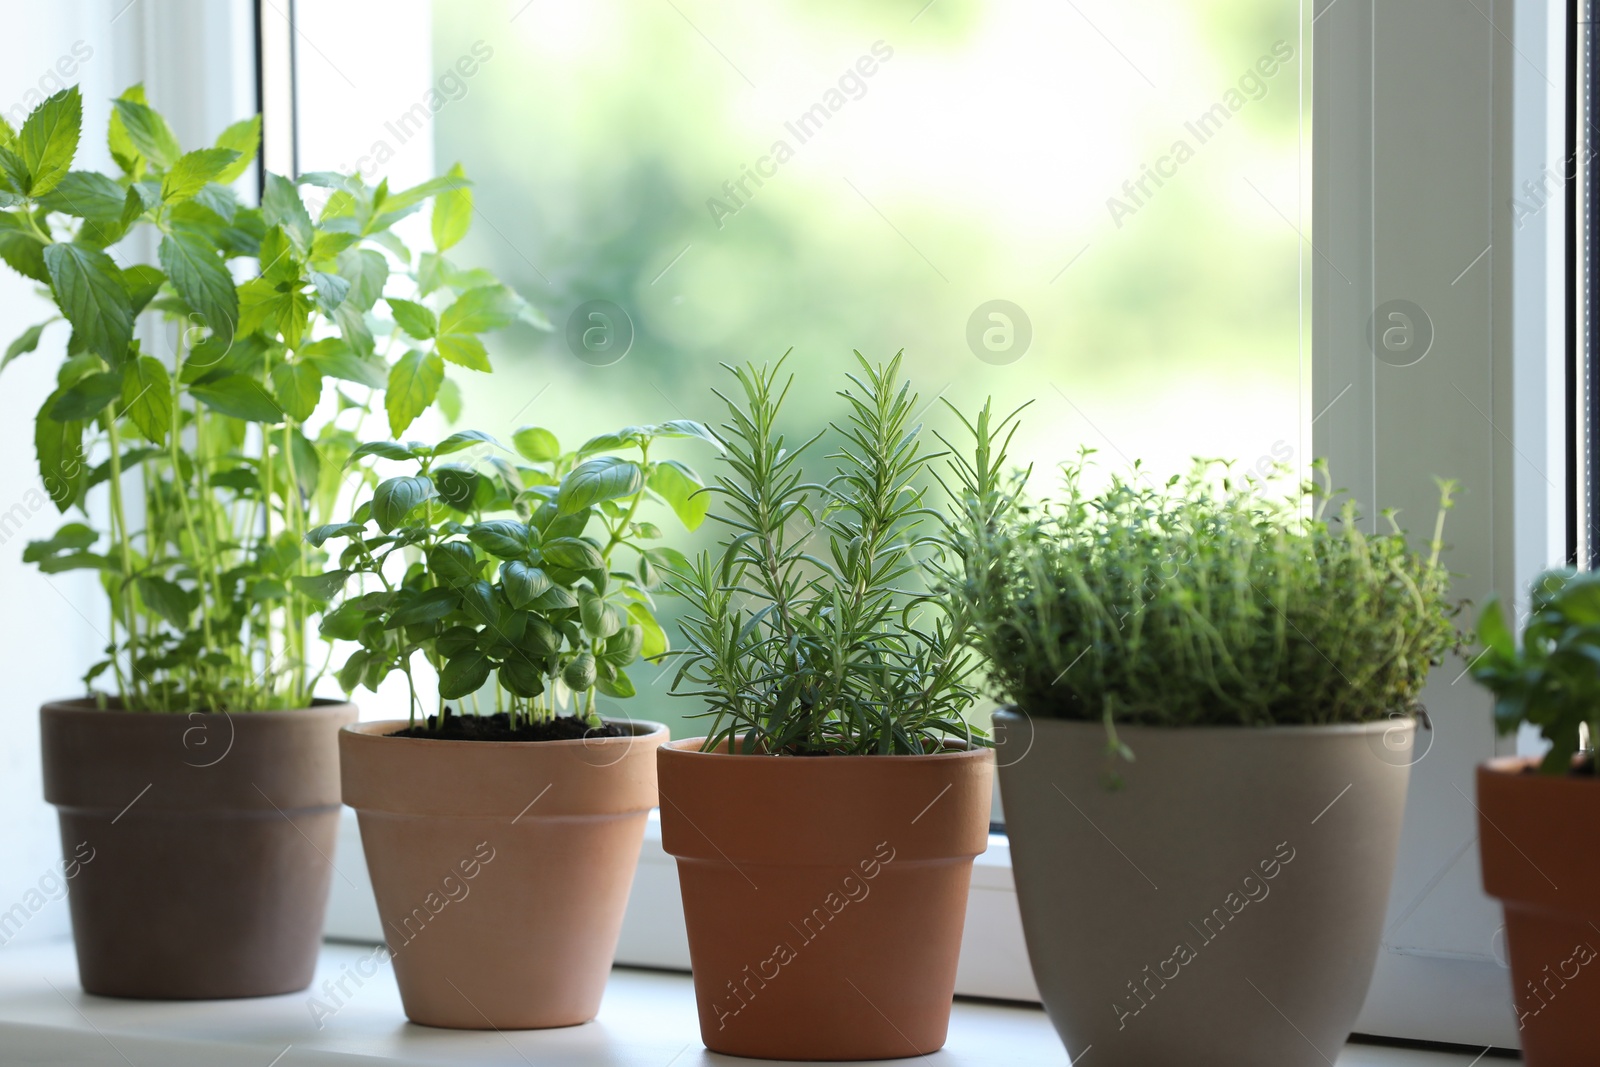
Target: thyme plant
{"type": "Point", "coordinates": [814, 629]}
{"type": "Point", "coordinates": [1553, 680]}
{"type": "Point", "coordinates": [213, 396]}
{"type": "Point", "coordinates": [1202, 602]}
{"type": "Point", "coordinates": [537, 598]}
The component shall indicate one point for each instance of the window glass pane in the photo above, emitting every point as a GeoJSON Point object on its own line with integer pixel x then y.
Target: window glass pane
{"type": "Point", "coordinates": [1093, 206]}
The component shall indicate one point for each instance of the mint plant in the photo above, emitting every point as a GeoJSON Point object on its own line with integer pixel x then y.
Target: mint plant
{"type": "Point", "coordinates": [214, 396]}
{"type": "Point", "coordinates": [488, 568]}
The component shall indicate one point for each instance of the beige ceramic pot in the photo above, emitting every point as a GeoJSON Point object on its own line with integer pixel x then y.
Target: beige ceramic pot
{"type": "Point", "coordinates": [824, 895]}
{"type": "Point", "coordinates": [501, 868]}
{"type": "Point", "coordinates": [1223, 908]}
{"type": "Point", "coordinates": [198, 845]}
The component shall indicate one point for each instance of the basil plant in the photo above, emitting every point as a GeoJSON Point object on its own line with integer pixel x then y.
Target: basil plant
{"type": "Point", "coordinates": [210, 395]}
{"type": "Point", "coordinates": [536, 573]}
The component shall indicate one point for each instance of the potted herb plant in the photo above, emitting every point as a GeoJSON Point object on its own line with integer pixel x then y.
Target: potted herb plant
{"type": "Point", "coordinates": [530, 803]}
{"type": "Point", "coordinates": [1205, 764]}
{"type": "Point", "coordinates": [1526, 806]}
{"type": "Point", "coordinates": [204, 413]}
{"type": "Point", "coordinates": [826, 826]}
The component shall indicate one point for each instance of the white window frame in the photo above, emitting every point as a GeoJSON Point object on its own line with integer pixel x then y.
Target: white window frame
{"type": "Point", "coordinates": [1382, 72]}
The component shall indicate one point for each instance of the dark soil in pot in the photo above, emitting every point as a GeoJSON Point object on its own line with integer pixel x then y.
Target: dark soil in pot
{"type": "Point", "coordinates": [497, 727]}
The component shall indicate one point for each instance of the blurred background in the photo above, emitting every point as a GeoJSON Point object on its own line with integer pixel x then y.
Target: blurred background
{"type": "Point", "coordinates": [1092, 207]}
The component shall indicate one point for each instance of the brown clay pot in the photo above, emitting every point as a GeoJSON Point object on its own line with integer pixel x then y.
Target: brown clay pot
{"type": "Point", "coordinates": [501, 868]}
{"type": "Point", "coordinates": [1549, 883]}
{"type": "Point", "coordinates": [824, 896]}
{"type": "Point", "coordinates": [202, 843]}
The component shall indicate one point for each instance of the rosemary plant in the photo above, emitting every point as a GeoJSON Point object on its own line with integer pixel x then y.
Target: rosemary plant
{"type": "Point", "coordinates": [536, 598]}
{"type": "Point", "coordinates": [1202, 603]}
{"type": "Point", "coordinates": [216, 415]}
{"type": "Point", "coordinates": [815, 628]}
{"type": "Point", "coordinates": [1553, 680]}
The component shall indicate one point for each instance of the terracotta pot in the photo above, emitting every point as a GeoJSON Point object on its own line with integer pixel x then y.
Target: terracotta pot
{"type": "Point", "coordinates": [501, 868]}
{"type": "Point", "coordinates": [1537, 863]}
{"type": "Point", "coordinates": [202, 845]}
{"type": "Point", "coordinates": [824, 896]}
{"type": "Point", "coordinates": [1224, 906]}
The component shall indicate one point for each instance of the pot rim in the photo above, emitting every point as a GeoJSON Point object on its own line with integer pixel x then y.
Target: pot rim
{"type": "Point", "coordinates": [1514, 767]}
{"type": "Point", "coordinates": [1010, 714]}
{"type": "Point", "coordinates": [379, 730]}
{"type": "Point", "coordinates": [320, 706]}
{"type": "Point", "coordinates": [680, 747]}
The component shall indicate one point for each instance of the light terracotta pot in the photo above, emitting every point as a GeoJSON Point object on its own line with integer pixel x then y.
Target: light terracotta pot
{"type": "Point", "coordinates": [824, 895]}
{"type": "Point", "coordinates": [199, 846]}
{"type": "Point", "coordinates": [1223, 908]}
{"type": "Point", "coordinates": [501, 868]}
{"type": "Point", "coordinates": [1548, 879]}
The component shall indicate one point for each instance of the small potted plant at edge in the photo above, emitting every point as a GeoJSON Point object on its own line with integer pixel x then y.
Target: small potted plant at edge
{"type": "Point", "coordinates": [206, 781]}
{"type": "Point", "coordinates": [535, 806]}
{"type": "Point", "coordinates": [1205, 764]}
{"type": "Point", "coordinates": [825, 827]}
{"type": "Point", "coordinates": [1529, 807]}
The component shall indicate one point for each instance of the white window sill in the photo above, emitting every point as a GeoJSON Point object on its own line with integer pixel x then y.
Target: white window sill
{"type": "Point", "coordinates": [647, 1019]}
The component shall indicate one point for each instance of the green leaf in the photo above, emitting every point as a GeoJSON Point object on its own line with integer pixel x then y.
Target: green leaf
{"type": "Point", "coordinates": [123, 151]}
{"type": "Point", "coordinates": [521, 677]}
{"type": "Point", "coordinates": [239, 396]}
{"type": "Point", "coordinates": [452, 211]}
{"type": "Point", "coordinates": [72, 537]}
{"type": "Point", "coordinates": [319, 535]}
{"type": "Point", "coordinates": [22, 251]}
{"type": "Point", "coordinates": [1493, 632]}
{"type": "Point", "coordinates": [670, 560]}
{"type": "Point", "coordinates": [619, 685]}
{"type": "Point", "coordinates": [323, 587]}
{"type": "Point", "coordinates": [414, 318]}
{"type": "Point", "coordinates": [385, 449]}
{"type": "Point", "coordinates": [86, 194]}
{"type": "Point", "coordinates": [87, 397]}
{"type": "Point", "coordinates": [147, 398]}
{"type": "Point", "coordinates": [654, 638]}
{"type": "Point", "coordinates": [627, 437]}
{"type": "Point", "coordinates": [298, 386]}
{"type": "Point", "coordinates": [334, 358]}
{"type": "Point", "coordinates": [141, 282]}
{"type": "Point", "coordinates": [281, 206]}
{"type": "Point", "coordinates": [349, 675]}
{"type": "Point", "coordinates": [27, 341]}
{"type": "Point", "coordinates": [464, 675]}
{"type": "Point", "coordinates": [624, 646]}
{"type": "Point", "coordinates": [536, 444]}
{"type": "Point", "coordinates": [572, 553]}
{"type": "Point", "coordinates": [367, 271]}
{"type": "Point", "coordinates": [413, 383]}
{"type": "Point", "coordinates": [463, 439]}
{"type": "Point", "coordinates": [523, 583]}
{"type": "Point", "coordinates": [430, 605]}
{"type": "Point", "coordinates": [396, 498]}
{"type": "Point", "coordinates": [580, 673]}
{"type": "Point", "coordinates": [88, 289]}
{"type": "Point", "coordinates": [455, 563]}
{"type": "Point", "coordinates": [244, 138]}
{"type": "Point", "coordinates": [601, 478]}
{"type": "Point", "coordinates": [198, 275]}
{"type": "Point", "coordinates": [49, 140]}
{"type": "Point", "coordinates": [193, 170]}
{"type": "Point", "coordinates": [681, 488]}
{"type": "Point", "coordinates": [505, 538]}
{"type": "Point", "coordinates": [167, 599]}
{"type": "Point", "coordinates": [464, 350]}
{"type": "Point", "coordinates": [487, 307]}
{"type": "Point", "coordinates": [147, 131]}
{"type": "Point", "coordinates": [685, 428]}
{"type": "Point", "coordinates": [600, 619]}
{"type": "Point", "coordinates": [449, 401]}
